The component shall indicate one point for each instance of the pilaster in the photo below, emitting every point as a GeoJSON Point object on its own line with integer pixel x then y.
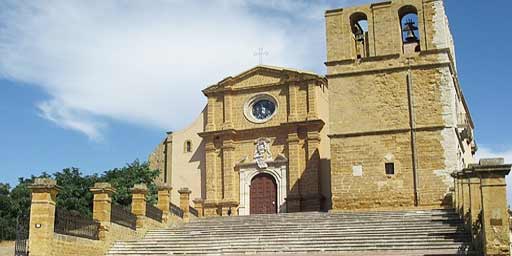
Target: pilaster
{"type": "Point", "coordinates": [310, 180]}
{"type": "Point", "coordinates": [228, 111]}
{"type": "Point", "coordinates": [312, 101]}
{"type": "Point", "coordinates": [293, 101]}
{"type": "Point", "coordinates": [230, 181]}
{"type": "Point", "coordinates": [293, 198]}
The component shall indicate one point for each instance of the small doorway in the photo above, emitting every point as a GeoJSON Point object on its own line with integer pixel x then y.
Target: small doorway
{"type": "Point", "coordinates": [263, 194]}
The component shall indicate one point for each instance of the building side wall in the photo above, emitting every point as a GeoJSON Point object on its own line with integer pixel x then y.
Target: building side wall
{"type": "Point", "coordinates": [188, 167]}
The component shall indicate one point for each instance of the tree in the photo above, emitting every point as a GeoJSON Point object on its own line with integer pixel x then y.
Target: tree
{"type": "Point", "coordinates": [125, 178]}
{"type": "Point", "coordinates": [75, 194]}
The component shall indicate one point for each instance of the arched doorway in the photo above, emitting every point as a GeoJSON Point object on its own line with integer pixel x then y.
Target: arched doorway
{"type": "Point", "coordinates": [263, 195]}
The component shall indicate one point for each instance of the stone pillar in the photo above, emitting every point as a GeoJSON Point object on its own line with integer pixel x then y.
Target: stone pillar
{"type": "Point", "coordinates": [455, 191]}
{"type": "Point", "coordinates": [198, 204]}
{"type": "Point", "coordinates": [102, 206]}
{"type": "Point", "coordinates": [139, 192]}
{"type": "Point", "coordinates": [164, 200]}
{"type": "Point", "coordinates": [460, 198]}
{"type": "Point", "coordinates": [475, 207]}
{"type": "Point", "coordinates": [466, 203]}
{"type": "Point", "coordinates": [42, 216]}
{"type": "Point", "coordinates": [185, 203]}
{"type": "Point", "coordinates": [495, 220]}
{"type": "Point", "coordinates": [293, 198]}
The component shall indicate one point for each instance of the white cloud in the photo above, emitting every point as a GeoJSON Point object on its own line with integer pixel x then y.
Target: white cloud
{"type": "Point", "coordinates": [145, 62]}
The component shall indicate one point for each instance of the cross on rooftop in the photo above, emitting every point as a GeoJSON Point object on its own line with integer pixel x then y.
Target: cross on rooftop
{"type": "Point", "coordinates": [260, 53]}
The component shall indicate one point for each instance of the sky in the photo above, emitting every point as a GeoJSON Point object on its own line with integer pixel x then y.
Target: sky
{"type": "Point", "coordinates": [96, 84]}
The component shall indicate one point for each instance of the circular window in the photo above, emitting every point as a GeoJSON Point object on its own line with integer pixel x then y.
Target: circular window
{"type": "Point", "coordinates": [261, 108]}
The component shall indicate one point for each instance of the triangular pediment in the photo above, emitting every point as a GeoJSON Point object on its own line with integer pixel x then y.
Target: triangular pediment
{"type": "Point", "coordinates": [260, 76]}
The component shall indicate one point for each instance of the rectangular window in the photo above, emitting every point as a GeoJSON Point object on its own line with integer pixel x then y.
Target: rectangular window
{"type": "Point", "coordinates": [390, 168]}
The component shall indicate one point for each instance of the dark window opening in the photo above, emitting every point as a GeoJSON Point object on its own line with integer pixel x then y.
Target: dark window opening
{"type": "Point", "coordinates": [188, 146]}
{"type": "Point", "coordinates": [359, 26]}
{"type": "Point", "coordinates": [390, 168]}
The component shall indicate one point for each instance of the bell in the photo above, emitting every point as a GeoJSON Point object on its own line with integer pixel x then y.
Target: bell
{"type": "Point", "coordinates": [410, 28]}
{"type": "Point", "coordinates": [358, 33]}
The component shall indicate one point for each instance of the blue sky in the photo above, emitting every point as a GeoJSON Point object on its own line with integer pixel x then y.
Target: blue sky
{"type": "Point", "coordinates": [97, 85]}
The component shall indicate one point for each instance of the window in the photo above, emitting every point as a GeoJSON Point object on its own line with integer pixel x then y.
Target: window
{"type": "Point", "coordinates": [188, 146]}
{"type": "Point", "coordinates": [359, 26]}
{"type": "Point", "coordinates": [390, 168]}
{"type": "Point", "coordinates": [409, 25]}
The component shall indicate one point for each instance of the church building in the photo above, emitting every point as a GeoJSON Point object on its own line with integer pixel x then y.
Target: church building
{"type": "Point", "coordinates": [383, 129]}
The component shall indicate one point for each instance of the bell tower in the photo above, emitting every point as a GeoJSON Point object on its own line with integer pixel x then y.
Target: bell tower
{"type": "Point", "coordinates": [398, 119]}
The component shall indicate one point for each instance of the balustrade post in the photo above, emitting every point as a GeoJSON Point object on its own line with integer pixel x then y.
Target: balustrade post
{"type": "Point", "coordinates": [495, 219]}
{"type": "Point", "coordinates": [164, 200]}
{"type": "Point", "coordinates": [42, 216]}
{"type": "Point", "coordinates": [185, 203]}
{"type": "Point", "coordinates": [198, 204]}
{"type": "Point", "coordinates": [139, 192]}
{"type": "Point", "coordinates": [466, 198]}
{"type": "Point", "coordinates": [102, 206]}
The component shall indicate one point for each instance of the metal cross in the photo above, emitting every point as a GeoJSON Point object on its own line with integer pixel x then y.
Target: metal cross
{"type": "Point", "coordinates": [260, 53]}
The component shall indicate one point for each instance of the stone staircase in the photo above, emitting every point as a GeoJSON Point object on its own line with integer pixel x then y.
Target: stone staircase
{"type": "Point", "coordinates": [436, 232]}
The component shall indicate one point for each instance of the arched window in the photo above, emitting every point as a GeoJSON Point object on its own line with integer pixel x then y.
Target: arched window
{"type": "Point", "coordinates": [188, 146]}
{"type": "Point", "coordinates": [409, 24]}
{"type": "Point", "coordinates": [359, 26]}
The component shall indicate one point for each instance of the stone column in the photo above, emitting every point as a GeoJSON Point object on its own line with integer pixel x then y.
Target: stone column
{"type": "Point", "coordinates": [185, 203]}
{"type": "Point", "coordinates": [164, 200]}
{"type": "Point", "coordinates": [495, 220]}
{"type": "Point", "coordinates": [139, 192]}
{"type": "Point", "coordinates": [198, 204]}
{"type": "Point", "coordinates": [102, 206]}
{"type": "Point", "coordinates": [42, 216]}
{"type": "Point", "coordinates": [293, 198]}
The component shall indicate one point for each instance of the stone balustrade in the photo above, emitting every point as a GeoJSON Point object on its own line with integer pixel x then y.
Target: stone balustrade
{"type": "Point", "coordinates": [480, 198]}
{"type": "Point", "coordinates": [44, 241]}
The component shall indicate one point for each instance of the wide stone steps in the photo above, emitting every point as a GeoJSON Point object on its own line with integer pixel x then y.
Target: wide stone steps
{"type": "Point", "coordinates": [437, 232]}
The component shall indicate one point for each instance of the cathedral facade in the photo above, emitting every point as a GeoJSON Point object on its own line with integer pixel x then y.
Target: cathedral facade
{"type": "Point", "coordinates": [383, 129]}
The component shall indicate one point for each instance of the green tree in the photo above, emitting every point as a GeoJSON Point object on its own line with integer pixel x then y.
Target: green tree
{"type": "Point", "coordinates": [125, 178]}
{"type": "Point", "coordinates": [74, 194]}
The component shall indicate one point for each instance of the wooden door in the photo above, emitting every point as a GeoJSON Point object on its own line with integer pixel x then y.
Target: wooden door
{"type": "Point", "coordinates": [263, 197]}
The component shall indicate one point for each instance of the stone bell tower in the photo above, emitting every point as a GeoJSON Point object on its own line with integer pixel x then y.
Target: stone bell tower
{"type": "Point", "coordinates": [399, 123]}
